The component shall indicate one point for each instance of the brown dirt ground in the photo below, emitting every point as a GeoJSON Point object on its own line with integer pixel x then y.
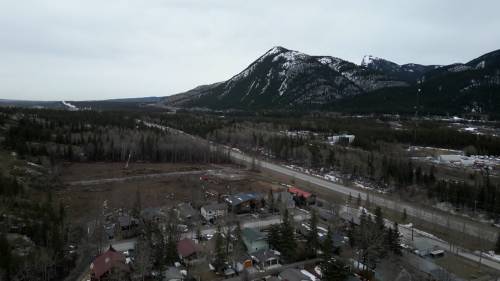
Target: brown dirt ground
{"type": "Point", "coordinates": [84, 203]}
{"type": "Point", "coordinates": [101, 170]}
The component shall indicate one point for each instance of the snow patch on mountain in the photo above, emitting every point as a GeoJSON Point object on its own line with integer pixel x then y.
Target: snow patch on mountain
{"type": "Point", "coordinates": [368, 59]}
{"type": "Point", "coordinates": [332, 62]}
{"type": "Point", "coordinates": [70, 106]}
{"type": "Point", "coordinates": [459, 68]}
{"type": "Point", "coordinates": [481, 65]}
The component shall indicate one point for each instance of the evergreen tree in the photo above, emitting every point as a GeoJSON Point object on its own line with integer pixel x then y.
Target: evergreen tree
{"type": "Point", "coordinates": [379, 219]}
{"type": "Point", "coordinates": [6, 260]}
{"type": "Point", "coordinates": [171, 238]}
{"type": "Point", "coordinates": [271, 201]}
{"type": "Point", "coordinates": [332, 269]}
{"type": "Point", "coordinates": [239, 246]}
{"type": "Point", "coordinates": [396, 240]}
{"type": "Point", "coordinates": [497, 245]}
{"type": "Point", "coordinates": [312, 236]}
{"type": "Point", "coordinates": [370, 240]}
{"type": "Point", "coordinates": [137, 208]}
{"type": "Point", "coordinates": [288, 243]}
{"type": "Point", "coordinates": [273, 237]}
{"type": "Point", "coordinates": [220, 252]}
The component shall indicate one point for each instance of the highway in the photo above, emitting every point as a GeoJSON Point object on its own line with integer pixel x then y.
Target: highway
{"type": "Point", "coordinates": [453, 223]}
{"type": "Point", "coordinates": [425, 213]}
{"type": "Point", "coordinates": [458, 224]}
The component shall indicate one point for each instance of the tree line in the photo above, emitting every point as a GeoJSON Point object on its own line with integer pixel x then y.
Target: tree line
{"type": "Point", "coordinates": [101, 137]}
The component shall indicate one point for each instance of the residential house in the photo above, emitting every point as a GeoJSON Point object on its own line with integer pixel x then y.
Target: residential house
{"type": "Point", "coordinates": [127, 222]}
{"type": "Point", "coordinates": [244, 202]}
{"type": "Point", "coordinates": [127, 225]}
{"type": "Point", "coordinates": [109, 263]}
{"type": "Point", "coordinates": [242, 262]}
{"type": "Point", "coordinates": [187, 249]}
{"type": "Point", "coordinates": [213, 211]}
{"type": "Point", "coordinates": [152, 215]}
{"type": "Point", "coordinates": [266, 259]}
{"type": "Point", "coordinates": [302, 197]}
{"type": "Point", "coordinates": [187, 214]}
{"type": "Point", "coordinates": [254, 240]}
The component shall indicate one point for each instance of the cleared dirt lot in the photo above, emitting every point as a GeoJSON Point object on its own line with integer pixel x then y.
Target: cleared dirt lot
{"type": "Point", "coordinates": [205, 183]}
{"type": "Point", "coordinates": [101, 170]}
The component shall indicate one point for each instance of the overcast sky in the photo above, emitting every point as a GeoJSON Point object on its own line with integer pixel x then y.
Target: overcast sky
{"type": "Point", "coordinates": [99, 49]}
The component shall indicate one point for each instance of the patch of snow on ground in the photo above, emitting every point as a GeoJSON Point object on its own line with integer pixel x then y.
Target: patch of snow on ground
{"type": "Point", "coordinates": [492, 256]}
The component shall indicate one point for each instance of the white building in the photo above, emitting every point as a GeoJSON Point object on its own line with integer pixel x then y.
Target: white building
{"type": "Point", "coordinates": [213, 211]}
{"type": "Point", "coordinates": [343, 138]}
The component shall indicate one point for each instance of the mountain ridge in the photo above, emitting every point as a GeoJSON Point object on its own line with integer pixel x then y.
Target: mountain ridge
{"type": "Point", "coordinates": [289, 79]}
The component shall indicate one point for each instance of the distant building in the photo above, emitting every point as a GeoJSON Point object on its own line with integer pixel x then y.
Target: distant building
{"type": "Point", "coordinates": [107, 263]}
{"type": "Point", "coordinates": [254, 240]}
{"type": "Point", "coordinates": [457, 160]}
{"type": "Point", "coordinates": [341, 139]}
{"type": "Point", "coordinates": [244, 202]}
{"type": "Point", "coordinates": [213, 211]}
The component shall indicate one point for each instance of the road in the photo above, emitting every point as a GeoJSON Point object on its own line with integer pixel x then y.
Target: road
{"type": "Point", "coordinates": [436, 242]}
{"type": "Point", "coordinates": [452, 222]}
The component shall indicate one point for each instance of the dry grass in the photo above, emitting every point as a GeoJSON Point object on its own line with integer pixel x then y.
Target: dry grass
{"type": "Point", "coordinates": [464, 268]}
{"type": "Point", "coordinates": [102, 170]}
{"type": "Point", "coordinates": [85, 202]}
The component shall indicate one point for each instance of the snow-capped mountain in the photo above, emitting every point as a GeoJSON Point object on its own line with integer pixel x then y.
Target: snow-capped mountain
{"type": "Point", "coordinates": [287, 79]}
{"type": "Point", "coordinates": [409, 73]}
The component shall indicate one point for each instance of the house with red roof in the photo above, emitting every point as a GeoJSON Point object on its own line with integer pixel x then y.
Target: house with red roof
{"type": "Point", "coordinates": [302, 197]}
{"type": "Point", "coordinates": [107, 263]}
{"type": "Point", "coordinates": [187, 249]}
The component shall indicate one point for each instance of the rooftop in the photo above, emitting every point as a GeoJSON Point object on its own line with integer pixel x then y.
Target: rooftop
{"type": "Point", "coordinates": [243, 197]}
{"type": "Point", "coordinates": [299, 192]}
{"type": "Point", "coordinates": [186, 247]}
{"type": "Point", "coordinates": [215, 206]}
{"type": "Point", "coordinates": [251, 234]}
{"type": "Point", "coordinates": [107, 260]}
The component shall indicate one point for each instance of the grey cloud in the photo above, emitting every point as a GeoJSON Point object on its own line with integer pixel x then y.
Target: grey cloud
{"type": "Point", "coordinates": [65, 49]}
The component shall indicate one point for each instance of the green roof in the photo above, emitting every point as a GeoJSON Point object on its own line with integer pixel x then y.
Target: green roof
{"type": "Point", "coordinates": [251, 234]}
